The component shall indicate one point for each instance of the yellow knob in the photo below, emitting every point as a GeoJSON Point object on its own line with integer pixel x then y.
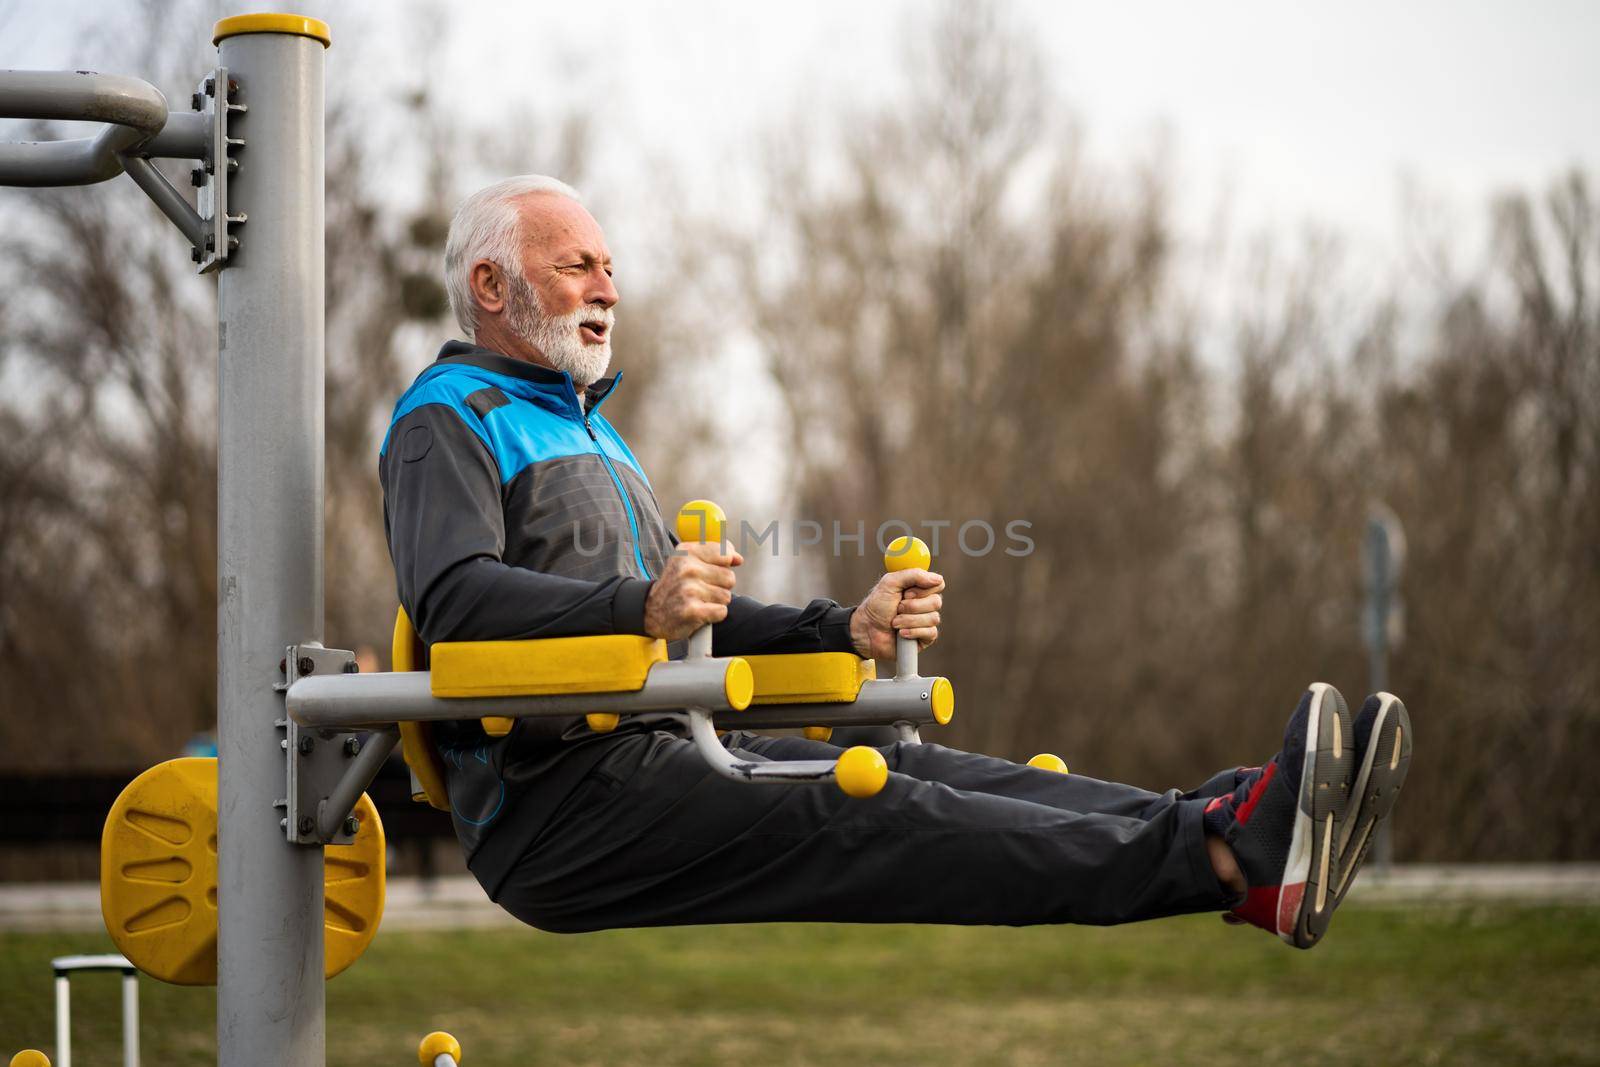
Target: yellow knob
{"type": "Point", "coordinates": [818, 733]}
{"type": "Point", "coordinates": [701, 520]}
{"type": "Point", "coordinates": [905, 554]}
{"type": "Point", "coordinates": [438, 1044]}
{"type": "Point", "coordinates": [602, 722]}
{"type": "Point", "coordinates": [861, 771]}
{"type": "Point", "coordinates": [497, 725]}
{"type": "Point", "coordinates": [1049, 761]}
{"type": "Point", "coordinates": [30, 1057]}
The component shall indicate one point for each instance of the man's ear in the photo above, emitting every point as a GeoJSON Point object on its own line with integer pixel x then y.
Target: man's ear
{"type": "Point", "coordinates": [488, 286]}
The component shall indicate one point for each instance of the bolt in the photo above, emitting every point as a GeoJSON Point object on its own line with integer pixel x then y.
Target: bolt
{"type": "Point", "coordinates": [307, 665]}
{"type": "Point", "coordinates": [306, 744]}
{"type": "Point", "coordinates": [352, 667]}
{"type": "Point", "coordinates": [233, 88]}
{"type": "Point", "coordinates": [210, 167]}
{"type": "Point", "coordinates": [194, 254]}
{"type": "Point", "coordinates": [352, 746]}
{"type": "Point", "coordinates": [211, 87]}
{"type": "Point", "coordinates": [283, 824]}
{"type": "Point", "coordinates": [197, 177]}
{"type": "Point", "coordinates": [195, 103]}
{"type": "Point", "coordinates": [352, 825]}
{"type": "Point", "coordinates": [282, 664]}
{"type": "Point", "coordinates": [306, 825]}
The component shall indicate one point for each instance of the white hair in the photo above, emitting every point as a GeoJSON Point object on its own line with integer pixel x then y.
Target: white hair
{"type": "Point", "coordinates": [488, 226]}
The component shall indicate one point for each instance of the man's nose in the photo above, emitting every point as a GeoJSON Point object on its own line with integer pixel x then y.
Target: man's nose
{"type": "Point", "coordinates": [601, 290]}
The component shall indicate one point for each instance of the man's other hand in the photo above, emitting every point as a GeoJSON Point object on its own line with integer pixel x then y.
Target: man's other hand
{"type": "Point", "coordinates": [693, 591]}
{"type": "Point", "coordinates": [905, 601]}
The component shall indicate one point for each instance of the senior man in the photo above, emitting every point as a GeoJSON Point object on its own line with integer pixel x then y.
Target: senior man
{"type": "Point", "coordinates": [515, 510]}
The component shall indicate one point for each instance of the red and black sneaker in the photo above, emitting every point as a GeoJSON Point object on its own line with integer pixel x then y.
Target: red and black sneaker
{"type": "Point", "coordinates": [1383, 755]}
{"type": "Point", "coordinates": [1284, 821]}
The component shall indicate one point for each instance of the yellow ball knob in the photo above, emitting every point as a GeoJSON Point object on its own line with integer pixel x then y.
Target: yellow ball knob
{"type": "Point", "coordinates": [818, 733]}
{"type": "Point", "coordinates": [438, 1044]}
{"type": "Point", "coordinates": [602, 722]}
{"type": "Point", "coordinates": [1049, 761]}
{"type": "Point", "coordinates": [30, 1057]}
{"type": "Point", "coordinates": [861, 772]}
{"type": "Point", "coordinates": [905, 554]}
{"type": "Point", "coordinates": [701, 520]}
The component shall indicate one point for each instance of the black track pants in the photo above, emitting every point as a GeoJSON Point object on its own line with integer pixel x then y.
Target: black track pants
{"type": "Point", "coordinates": [653, 837]}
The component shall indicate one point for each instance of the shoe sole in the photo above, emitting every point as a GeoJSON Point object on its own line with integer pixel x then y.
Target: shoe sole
{"type": "Point", "coordinates": [1380, 774]}
{"type": "Point", "coordinates": [1306, 901]}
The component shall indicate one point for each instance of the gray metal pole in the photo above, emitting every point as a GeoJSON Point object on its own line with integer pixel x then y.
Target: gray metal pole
{"type": "Point", "coordinates": [270, 1005]}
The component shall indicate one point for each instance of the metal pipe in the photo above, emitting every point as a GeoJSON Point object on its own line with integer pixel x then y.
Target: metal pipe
{"type": "Point", "coordinates": [135, 111]}
{"type": "Point", "coordinates": [362, 770]}
{"type": "Point", "coordinates": [130, 1019]}
{"type": "Point", "coordinates": [168, 199]}
{"type": "Point", "coordinates": [185, 136]}
{"type": "Point", "coordinates": [270, 1006]}
{"type": "Point", "coordinates": [705, 739]}
{"type": "Point", "coordinates": [905, 657]}
{"type": "Point", "coordinates": [881, 702]}
{"type": "Point", "coordinates": [353, 701]}
{"type": "Point", "coordinates": [63, 1021]}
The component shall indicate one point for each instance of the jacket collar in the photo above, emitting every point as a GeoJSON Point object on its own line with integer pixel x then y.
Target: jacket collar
{"type": "Point", "coordinates": [548, 381]}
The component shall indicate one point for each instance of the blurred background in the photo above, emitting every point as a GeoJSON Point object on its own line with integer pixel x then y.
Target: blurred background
{"type": "Point", "coordinates": [1194, 291]}
{"type": "Point", "coordinates": [1197, 291]}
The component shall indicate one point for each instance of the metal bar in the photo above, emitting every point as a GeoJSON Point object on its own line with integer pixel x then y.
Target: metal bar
{"type": "Point", "coordinates": [130, 1019]}
{"type": "Point", "coordinates": [185, 136]}
{"type": "Point", "coordinates": [270, 1003]}
{"type": "Point", "coordinates": [908, 733]}
{"type": "Point", "coordinates": [63, 1021]}
{"type": "Point", "coordinates": [135, 111]}
{"type": "Point", "coordinates": [705, 739]}
{"type": "Point", "coordinates": [168, 199]}
{"type": "Point", "coordinates": [905, 657]}
{"type": "Point", "coordinates": [881, 702]}
{"type": "Point", "coordinates": [362, 770]}
{"type": "Point", "coordinates": [354, 701]}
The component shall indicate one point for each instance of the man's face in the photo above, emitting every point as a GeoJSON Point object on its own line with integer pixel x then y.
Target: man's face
{"type": "Point", "coordinates": [561, 304]}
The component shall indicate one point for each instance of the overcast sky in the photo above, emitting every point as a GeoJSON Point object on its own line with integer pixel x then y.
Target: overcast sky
{"type": "Point", "coordinates": [1290, 112]}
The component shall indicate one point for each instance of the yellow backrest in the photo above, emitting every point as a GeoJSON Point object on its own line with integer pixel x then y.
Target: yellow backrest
{"type": "Point", "coordinates": [407, 653]}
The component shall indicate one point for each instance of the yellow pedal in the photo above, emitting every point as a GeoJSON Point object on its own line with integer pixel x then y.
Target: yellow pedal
{"type": "Point", "coordinates": [810, 677]}
{"type": "Point", "coordinates": [1049, 761]}
{"type": "Point", "coordinates": [158, 876]}
{"type": "Point", "coordinates": [612, 663]}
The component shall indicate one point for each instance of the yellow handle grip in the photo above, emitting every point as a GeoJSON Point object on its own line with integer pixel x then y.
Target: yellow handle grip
{"type": "Point", "coordinates": [905, 554]}
{"type": "Point", "coordinates": [438, 1044]}
{"type": "Point", "coordinates": [701, 520]}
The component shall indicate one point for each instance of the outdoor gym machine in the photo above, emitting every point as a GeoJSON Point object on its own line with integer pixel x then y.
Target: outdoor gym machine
{"type": "Point", "coordinates": [263, 871]}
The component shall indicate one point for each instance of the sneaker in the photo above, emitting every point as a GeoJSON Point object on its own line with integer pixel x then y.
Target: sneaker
{"type": "Point", "coordinates": [1284, 821]}
{"type": "Point", "coordinates": [1383, 752]}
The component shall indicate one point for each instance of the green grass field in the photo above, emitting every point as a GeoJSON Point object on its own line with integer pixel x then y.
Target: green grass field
{"type": "Point", "coordinates": [1479, 984]}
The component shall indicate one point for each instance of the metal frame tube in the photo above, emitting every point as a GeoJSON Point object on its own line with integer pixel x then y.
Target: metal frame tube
{"type": "Point", "coordinates": [130, 1019]}
{"type": "Point", "coordinates": [134, 109]}
{"type": "Point", "coordinates": [362, 770]}
{"type": "Point", "coordinates": [63, 1021]}
{"type": "Point", "coordinates": [355, 701]}
{"type": "Point", "coordinates": [168, 199]}
{"type": "Point", "coordinates": [270, 996]}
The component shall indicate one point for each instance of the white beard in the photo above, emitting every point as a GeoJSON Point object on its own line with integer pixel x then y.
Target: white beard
{"type": "Point", "coordinates": [557, 337]}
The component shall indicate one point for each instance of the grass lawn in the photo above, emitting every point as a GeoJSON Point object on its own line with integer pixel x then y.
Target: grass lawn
{"type": "Point", "coordinates": [1478, 984]}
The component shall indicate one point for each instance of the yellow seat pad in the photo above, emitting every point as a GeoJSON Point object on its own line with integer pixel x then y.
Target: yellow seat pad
{"type": "Point", "coordinates": [614, 663]}
{"type": "Point", "coordinates": [809, 677]}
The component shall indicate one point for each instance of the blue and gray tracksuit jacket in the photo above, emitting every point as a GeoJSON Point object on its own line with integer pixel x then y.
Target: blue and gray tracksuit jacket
{"type": "Point", "coordinates": [514, 510]}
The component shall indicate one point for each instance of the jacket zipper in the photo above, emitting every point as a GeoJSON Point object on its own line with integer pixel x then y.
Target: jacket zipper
{"type": "Point", "coordinates": [627, 506]}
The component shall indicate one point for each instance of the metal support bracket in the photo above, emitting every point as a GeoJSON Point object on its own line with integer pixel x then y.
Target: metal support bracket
{"type": "Point", "coordinates": [327, 770]}
{"type": "Point", "coordinates": [216, 98]}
